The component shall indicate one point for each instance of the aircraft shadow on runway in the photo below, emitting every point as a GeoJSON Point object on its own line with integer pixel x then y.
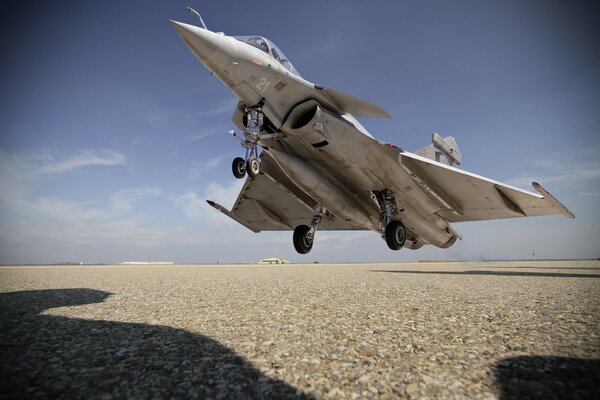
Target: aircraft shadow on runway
{"type": "Point", "coordinates": [49, 356]}
{"type": "Point", "coordinates": [492, 273]}
{"type": "Point", "coordinates": [545, 267]}
{"type": "Point", "coordinates": [547, 377]}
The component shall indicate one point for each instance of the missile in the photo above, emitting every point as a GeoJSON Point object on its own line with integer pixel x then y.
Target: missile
{"type": "Point", "coordinates": [321, 189]}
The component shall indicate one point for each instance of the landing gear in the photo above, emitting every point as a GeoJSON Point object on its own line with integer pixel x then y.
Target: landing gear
{"type": "Point", "coordinates": [238, 167]}
{"type": "Point", "coordinates": [254, 124]}
{"type": "Point", "coordinates": [303, 239]}
{"type": "Point", "coordinates": [393, 230]}
{"type": "Point", "coordinates": [304, 235]}
{"type": "Point", "coordinates": [253, 167]}
{"type": "Point", "coordinates": [395, 235]}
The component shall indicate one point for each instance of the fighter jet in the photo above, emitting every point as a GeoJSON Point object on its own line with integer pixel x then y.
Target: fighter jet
{"type": "Point", "coordinates": [309, 164]}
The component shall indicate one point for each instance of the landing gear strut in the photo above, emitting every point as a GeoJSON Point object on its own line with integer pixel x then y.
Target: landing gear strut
{"type": "Point", "coordinates": [393, 230]}
{"type": "Point", "coordinates": [304, 235]}
{"type": "Point", "coordinates": [250, 163]}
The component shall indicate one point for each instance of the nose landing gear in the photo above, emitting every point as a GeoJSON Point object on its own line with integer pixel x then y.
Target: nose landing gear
{"type": "Point", "coordinates": [238, 167]}
{"type": "Point", "coordinates": [250, 164]}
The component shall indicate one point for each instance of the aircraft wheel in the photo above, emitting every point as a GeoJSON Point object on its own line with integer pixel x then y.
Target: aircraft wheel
{"type": "Point", "coordinates": [253, 167]}
{"type": "Point", "coordinates": [238, 167]}
{"type": "Point", "coordinates": [395, 235]}
{"type": "Point", "coordinates": [302, 242]}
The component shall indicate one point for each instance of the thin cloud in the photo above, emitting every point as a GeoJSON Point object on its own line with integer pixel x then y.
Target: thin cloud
{"type": "Point", "coordinates": [191, 205]}
{"type": "Point", "coordinates": [27, 218]}
{"type": "Point", "coordinates": [156, 119]}
{"type": "Point", "coordinates": [124, 200]}
{"type": "Point", "coordinates": [107, 158]}
{"type": "Point", "coordinates": [198, 168]}
{"type": "Point", "coordinates": [71, 223]}
{"type": "Point", "coordinates": [559, 172]}
{"type": "Point", "coordinates": [591, 194]}
{"type": "Point", "coordinates": [222, 108]}
{"type": "Point", "coordinates": [330, 44]}
{"type": "Point", "coordinates": [196, 208]}
{"type": "Point", "coordinates": [69, 212]}
{"type": "Point", "coordinates": [226, 107]}
{"type": "Point", "coordinates": [205, 132]}
{"type": "Point", "coordinates": [224, 194]}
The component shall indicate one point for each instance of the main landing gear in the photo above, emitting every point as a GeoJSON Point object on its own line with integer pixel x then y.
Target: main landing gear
{"type": "Point", "coordinates": [304, 235]}
{"type": "Point", "coordinates": [393, 230]}
{"type": "Point", "coordinates": [250, 164]}
{"type": "Point", "coordinates": [395, 235]}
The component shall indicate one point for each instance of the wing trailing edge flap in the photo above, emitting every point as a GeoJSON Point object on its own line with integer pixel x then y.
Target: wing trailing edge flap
{"type": "Point", "coordinates": [464, 196]}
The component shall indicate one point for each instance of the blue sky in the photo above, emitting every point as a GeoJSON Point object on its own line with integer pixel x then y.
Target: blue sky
{"type": "Point", "coordinates": [112, 134]}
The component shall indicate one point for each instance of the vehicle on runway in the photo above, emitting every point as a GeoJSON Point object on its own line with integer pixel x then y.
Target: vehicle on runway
{"type": "Point", "coordinates": [319, 168]}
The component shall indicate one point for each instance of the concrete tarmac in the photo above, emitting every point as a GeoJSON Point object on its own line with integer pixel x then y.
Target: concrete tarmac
{"type": "Point", "coordinates": [424, 330]}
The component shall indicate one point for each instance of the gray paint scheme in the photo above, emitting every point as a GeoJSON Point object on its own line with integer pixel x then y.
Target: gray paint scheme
{"type": "Point", "coordinates": [318, 153]}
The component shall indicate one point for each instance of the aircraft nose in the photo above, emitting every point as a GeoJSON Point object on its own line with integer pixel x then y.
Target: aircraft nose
{"type": "Point", "coordinates": [213, 50]}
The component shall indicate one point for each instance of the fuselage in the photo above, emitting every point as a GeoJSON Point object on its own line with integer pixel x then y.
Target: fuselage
{"type": "Point", "coordinates": [309, 126]}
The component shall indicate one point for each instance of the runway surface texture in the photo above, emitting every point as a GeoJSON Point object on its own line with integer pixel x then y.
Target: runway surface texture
{"type": "Point", "coordinates": [426, 330]}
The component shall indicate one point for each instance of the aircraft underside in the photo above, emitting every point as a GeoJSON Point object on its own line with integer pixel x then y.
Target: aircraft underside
{"type": "Point", "coordinates": [307, 152]}
{"type": "Point", "coordinates": [320, 169]}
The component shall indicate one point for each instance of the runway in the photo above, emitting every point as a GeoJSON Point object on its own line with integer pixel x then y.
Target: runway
{"type": "Point", "coordinates": [422, 330]}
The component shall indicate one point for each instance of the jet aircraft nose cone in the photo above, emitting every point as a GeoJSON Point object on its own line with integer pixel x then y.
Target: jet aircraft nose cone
{"type": "Point", "coordinates": [213, 50]}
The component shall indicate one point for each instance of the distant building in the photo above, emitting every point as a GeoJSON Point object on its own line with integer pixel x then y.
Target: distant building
{"type": "Point", "coordinates": [273, 260]}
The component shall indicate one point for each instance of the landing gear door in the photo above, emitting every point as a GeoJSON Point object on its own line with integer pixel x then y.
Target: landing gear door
{"type": "Point", "coordinates": [238, 115]}
{"type": "Point", "coordinates": [252, 97]}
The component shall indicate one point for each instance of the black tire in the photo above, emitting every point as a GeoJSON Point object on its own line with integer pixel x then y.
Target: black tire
{"type": "Point", "coordinates": [301, 242]}
{"type": "Point", "coordinates": [253, 167]}
{"type": "Point", "coordinates": [395, 235]}
{"type": "Point", "coordinates": [238, 167]}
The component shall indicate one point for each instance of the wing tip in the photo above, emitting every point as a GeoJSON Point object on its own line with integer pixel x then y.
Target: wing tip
{"type": "Point", "coordinates": [552, 200]}
{"type": "Point", "coordinates": [234, 217]}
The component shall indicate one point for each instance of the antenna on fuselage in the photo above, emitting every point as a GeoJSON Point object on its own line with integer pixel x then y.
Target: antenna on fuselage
{"type": "Point", "coordinates": [197, 14]}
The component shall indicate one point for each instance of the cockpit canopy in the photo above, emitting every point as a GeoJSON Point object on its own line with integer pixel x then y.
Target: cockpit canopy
{"type": "Point", "coordinates": [268, 47]}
